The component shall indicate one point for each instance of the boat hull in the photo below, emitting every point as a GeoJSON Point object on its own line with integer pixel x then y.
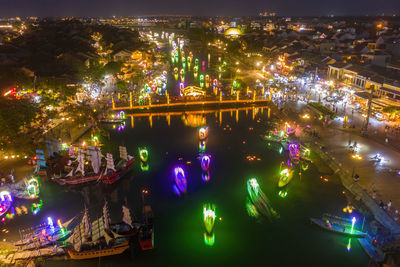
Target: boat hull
{"type": "Point", "coordinates": [90, 254]}
{"type": "Point", "coordinates": [337, 229]}
{"type": "Point", "coordinates": [115, 176]}
{"type": "Point", "coordinates": [80, 180]}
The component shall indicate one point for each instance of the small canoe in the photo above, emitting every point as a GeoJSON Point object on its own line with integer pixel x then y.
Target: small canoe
{"type": "Point", "coordinates": [337, 228]}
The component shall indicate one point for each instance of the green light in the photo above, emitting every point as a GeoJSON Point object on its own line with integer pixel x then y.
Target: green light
{"type": "Point", "coordinates": [251, 209]}
{"type": "Point", "coordinates": [144, 166]}
{"type": "Point", "coordinates": [349, 245]}
{"type": "Point", "coordinates": [253, 189]}
{"type": "Point", "coordinates": [353, 221]}
{"type": "Point", "coordinates": [209, 240]}
{"type": "Point", "coordinates": [280, 150]}
{"type": "Point", "coordinates": [143, 154]}
{"type": "Point", "coordinates": [209, 220]}
{"type": "Point", "coordinates": [282, 194]}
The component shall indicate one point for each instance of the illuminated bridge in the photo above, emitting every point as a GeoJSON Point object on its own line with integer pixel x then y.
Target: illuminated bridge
{"type": "Point", "coordinates": [192, 104]}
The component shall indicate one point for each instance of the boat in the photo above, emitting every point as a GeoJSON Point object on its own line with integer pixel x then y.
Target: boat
{"type": "Point", "coordinates": [338, 225]}
{"type": "Point", "coordinates": [205, 162]}
{"type": "Point", "coordinates": [124, 165]}
{"type": "Point", "coordinates": [203, 133]}
{"type": "Point", "coordinates": [98, 173]}
{"type": "Point", "coordinates": [209, 220]}
{"type": "Point", "coordinates": [259, 201]}
{"type": "Point", "coordinates": [26, 189]}
{"type": "Point", "coordinates": [43, 235]}
{"type": "Point", "coordinates": [115, 118]}
{"type": "Point", "coordinates": [127, 227]}
{"type": "Point", "coordinates": [79, 174]}
{"type": "Point", "coordinates": [180, 184]}
{"type": "Point", "coordinates": [286, 176]}
{"type": "Point", "coordinates": [6, 202]}
{"type": "Point", "coordinates": [93, 240]}
{"type": "Point", "coordinates": [143, 154]}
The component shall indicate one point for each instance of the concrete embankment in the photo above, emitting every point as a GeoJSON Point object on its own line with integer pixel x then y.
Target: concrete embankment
{"type": "Point", "coordinates": [348, 182]}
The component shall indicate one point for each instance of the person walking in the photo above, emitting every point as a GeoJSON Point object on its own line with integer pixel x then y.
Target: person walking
{"type": "Point", "coordinates": [389, 204]}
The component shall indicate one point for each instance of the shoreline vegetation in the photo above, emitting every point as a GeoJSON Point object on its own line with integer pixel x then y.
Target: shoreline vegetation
{"type": "Point", "coordinates": [322, 109]}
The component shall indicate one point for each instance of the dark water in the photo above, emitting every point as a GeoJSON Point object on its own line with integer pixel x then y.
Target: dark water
{"type": "Point", "coordinates": [240, 240]}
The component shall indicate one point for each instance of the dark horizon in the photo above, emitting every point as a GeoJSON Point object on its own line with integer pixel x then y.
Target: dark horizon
{"type": "Point", "coordinates": [126, 8]}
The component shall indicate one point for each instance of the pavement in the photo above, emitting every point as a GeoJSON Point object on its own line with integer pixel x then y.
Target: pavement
{"type": "Point", "coordinates": [373, 176]}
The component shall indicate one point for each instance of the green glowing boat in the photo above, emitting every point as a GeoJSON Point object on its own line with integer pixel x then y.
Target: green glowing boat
{"type": "Point", "coordinates": [286, 176]}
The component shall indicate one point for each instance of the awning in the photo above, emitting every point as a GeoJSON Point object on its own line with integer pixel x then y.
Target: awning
{"type": "Point", "coordinates": [364, 95]}
{"type": "Point", "coordinates": [388, 90]}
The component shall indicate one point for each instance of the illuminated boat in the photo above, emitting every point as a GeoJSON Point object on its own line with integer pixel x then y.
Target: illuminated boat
{"type": "Point", "coordinates": [124, 165]}
{"type": "Point", "coordinates": [180, 181]}
{"type": "Point", "coordinates": [209, 220]}
{"type": "Point", "coordinates": [203, 133]}
{"type": "Point", "coordinates": [259, 201]}
{"type": "Point", "coordinates": [6, 202]}
{"type": "Point", "coordinates": [115, 118]}
{"type": "Point", "coordinates": [94, 240]}
{"type": "Point", "coordinates": [286, 176]}
{"type": "Point", "coordinates": [26, 189]}
{"type": "Point", "coordinates": [205, 162]}
{"type": "Point", "coordinates": [143, 154]}
{"type": "Point", "coordinates": [43, 235]}
{"type": "Point", "coordinates": [338, 225]}
{"type": "Point", "coordinates": [106, 174]}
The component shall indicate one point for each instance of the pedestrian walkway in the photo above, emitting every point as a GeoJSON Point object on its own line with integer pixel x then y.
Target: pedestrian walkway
{"type": "Point", "coordinates": [373, 176]}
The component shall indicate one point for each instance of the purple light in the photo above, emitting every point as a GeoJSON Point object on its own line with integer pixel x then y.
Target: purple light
{"type": "Point", "coordinates": [205, 162]}
{"type": "Point", "coordinates": [180, 181]}
{"type": "Point", "coordinates": [205, 176]}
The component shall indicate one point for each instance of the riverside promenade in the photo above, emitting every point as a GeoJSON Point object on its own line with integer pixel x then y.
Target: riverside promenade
{"type": "Point", "coordinates": [332, 145]}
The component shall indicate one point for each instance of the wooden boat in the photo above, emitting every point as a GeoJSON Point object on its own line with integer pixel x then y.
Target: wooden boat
{"type": "Point", "coordinates": [106, 174]}
{"type": "Point", "coordinates": [116, 249]}
{"type": "Point", "coordinates": [122, 169]}
{"type": "Point", "coordinates": [337, 228]}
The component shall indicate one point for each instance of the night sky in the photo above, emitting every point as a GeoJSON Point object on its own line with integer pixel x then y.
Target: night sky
{"type": "Point", "coordinates": [106, 8]}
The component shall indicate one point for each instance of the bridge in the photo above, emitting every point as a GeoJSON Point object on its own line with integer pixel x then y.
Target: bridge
{"type": "Point", "coordinates": [218, 113]}
{"type": "Point", "coordinates": [191, 103]}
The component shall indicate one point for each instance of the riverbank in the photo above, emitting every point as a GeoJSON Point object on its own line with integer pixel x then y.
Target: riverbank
{"type": "Point", "coordinates": [346, 178]}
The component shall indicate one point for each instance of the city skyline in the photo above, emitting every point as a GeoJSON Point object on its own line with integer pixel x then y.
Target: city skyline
{"type": "Point", "coordinates": [102, 8]}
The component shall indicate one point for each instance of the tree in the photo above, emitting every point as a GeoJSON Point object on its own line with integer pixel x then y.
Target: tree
{"type": "Point", "coordinates": [17, 121]}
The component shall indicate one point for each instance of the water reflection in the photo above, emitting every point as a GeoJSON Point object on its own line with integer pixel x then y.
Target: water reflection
{"type": "Point", "coordinates": [196, 118]}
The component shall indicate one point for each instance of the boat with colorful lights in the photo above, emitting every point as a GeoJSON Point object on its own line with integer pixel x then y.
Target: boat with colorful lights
{"type": "Point", "coordinates": [6, 202]}
{"type": "Point", "coordinates": [338, 225]}
{"type": "Point", "coordinates": [26, 189]}
{"type": "Point", "coordinates": [259, 201]}
{"type": "Point", "coordinates": [203, 133]}
{"type": "Point", "coordinates": [286, 176]}
{"type": "Point", "coordinates": [209, 220]}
